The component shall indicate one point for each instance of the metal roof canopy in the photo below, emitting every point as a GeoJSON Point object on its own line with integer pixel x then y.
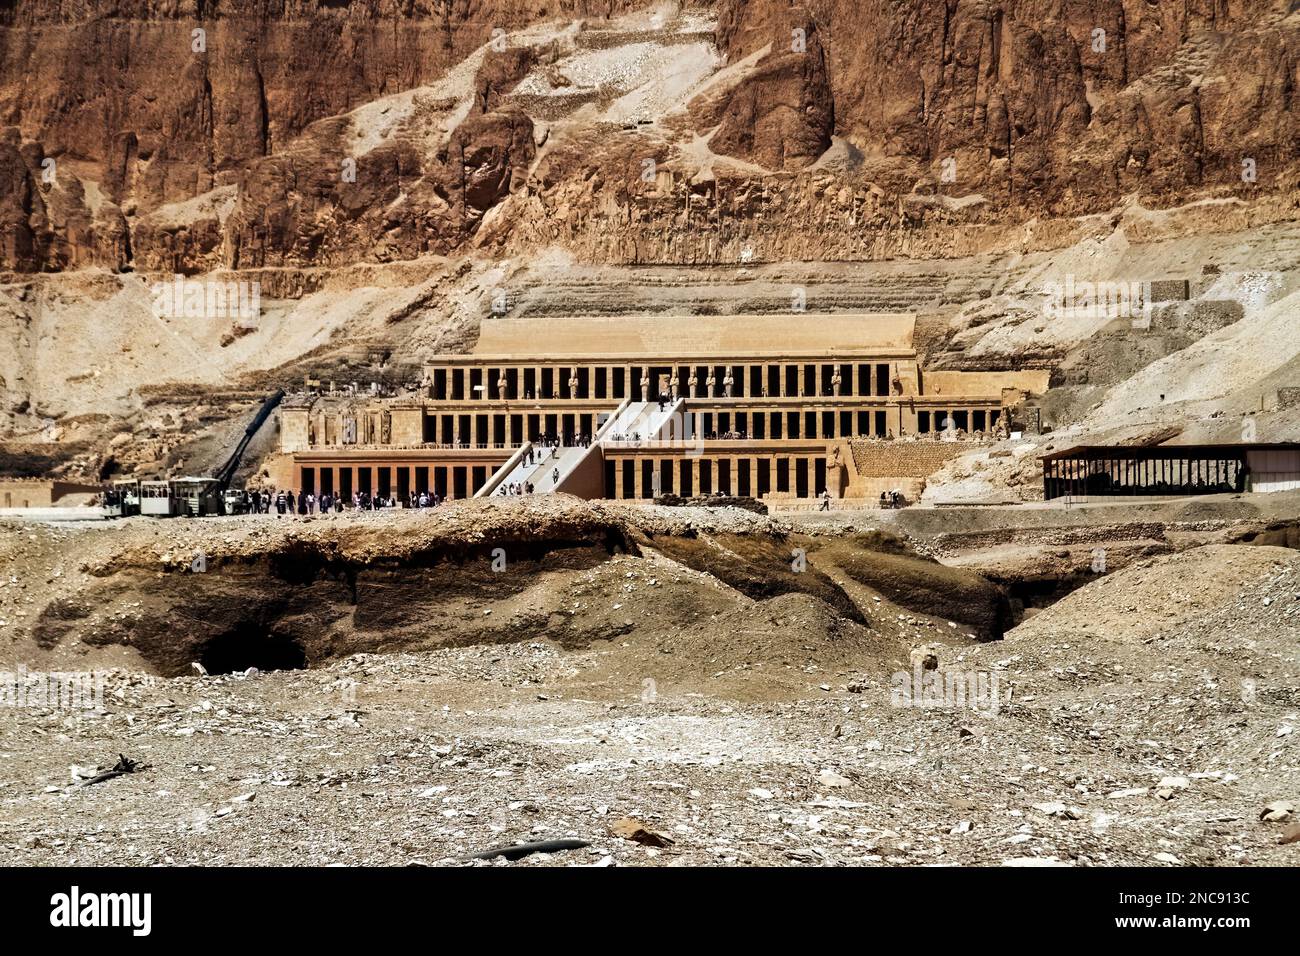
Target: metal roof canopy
{"type": "Point", "coordinates": [1165, 452]}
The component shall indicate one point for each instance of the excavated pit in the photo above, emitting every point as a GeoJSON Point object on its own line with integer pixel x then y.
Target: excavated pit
{"type": "Point", "coordinates": [299, 603]}
{"type": "Point", "coordinates": [310, 594]}
{"type": "Point", "coordinates": [1027, 596]}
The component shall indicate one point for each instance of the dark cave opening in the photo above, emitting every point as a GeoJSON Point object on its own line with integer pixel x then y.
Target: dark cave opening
{"type": "Point", "coordinates": [237, 651]}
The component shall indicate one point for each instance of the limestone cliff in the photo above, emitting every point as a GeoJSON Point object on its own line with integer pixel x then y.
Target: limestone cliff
{"type": "Point", "coordinates": [188, 135]}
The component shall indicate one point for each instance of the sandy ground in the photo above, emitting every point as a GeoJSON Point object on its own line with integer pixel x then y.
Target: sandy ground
{"type": "Point", "coordinates": [1147, 718]}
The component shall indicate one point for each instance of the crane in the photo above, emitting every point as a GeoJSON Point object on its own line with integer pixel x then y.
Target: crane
{"type": "Point", "coordinates": [226, 473]}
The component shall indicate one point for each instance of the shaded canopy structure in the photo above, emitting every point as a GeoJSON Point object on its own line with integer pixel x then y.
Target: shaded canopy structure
{"type": "Point", "coordinates": [1171, 469]}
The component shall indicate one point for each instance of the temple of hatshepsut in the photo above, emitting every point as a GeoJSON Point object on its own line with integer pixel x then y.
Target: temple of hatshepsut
{"type": "Point", "coordinates": [780, 408]}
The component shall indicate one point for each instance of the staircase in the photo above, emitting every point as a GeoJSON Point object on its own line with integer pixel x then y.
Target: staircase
{"type": "Point", "coordinates": [541, 473]}
{"type": "Point", "coordinates": [643, 419]}
{"type": "Point", "coordinates": [514, 470]}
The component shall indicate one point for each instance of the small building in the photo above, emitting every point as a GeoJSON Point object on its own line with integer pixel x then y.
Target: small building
{"type": "Point", "coordinates": [1175, 470]}
{"type": "Point", "coordinates": [40, 492]}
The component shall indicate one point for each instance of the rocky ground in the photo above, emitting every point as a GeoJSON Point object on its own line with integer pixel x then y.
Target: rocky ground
{"type": "Point", "coordinates": [1147, 718]}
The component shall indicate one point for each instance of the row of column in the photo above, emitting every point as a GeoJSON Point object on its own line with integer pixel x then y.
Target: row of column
{"type": "Point", "coordinates": [775, 425]}
{"type": "Point", "coordinates": [352, 428]}
{"type": "Point", "coordinates": [643, 382]}
{"type": "Point", "coordinates": [503, 429]}
{"type": "Point", "coordinates": [393, 481]}
{"type": "Point", "coordinates": [797, 475]}
{"type": "Point", "coordinates": [1124, 476]}
{"type": "Point", "coordinates": [957, 419]}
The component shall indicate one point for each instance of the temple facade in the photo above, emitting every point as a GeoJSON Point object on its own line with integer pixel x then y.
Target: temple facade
{"type": "Point", "coordinates": [767, 406]}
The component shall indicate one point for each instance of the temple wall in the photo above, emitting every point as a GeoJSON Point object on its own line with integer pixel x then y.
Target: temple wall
{"type": "Point", "coordinates": [294, 431]}
{"type": "Point", "coordinates": [903, 459]}
{"type": "Point", "coordinates": [408, 426]}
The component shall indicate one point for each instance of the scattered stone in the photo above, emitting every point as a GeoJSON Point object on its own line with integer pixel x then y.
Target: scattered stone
{"type": "Point", "coordinates": [1277, 811]}
{"type": "Point", "coordinates": [829, 778]}
{"type": "Point", "coordinates": [630, 828]}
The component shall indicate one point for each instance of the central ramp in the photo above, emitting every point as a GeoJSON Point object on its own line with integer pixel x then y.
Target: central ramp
{"type": "Point", "coordinates": [573, 469]}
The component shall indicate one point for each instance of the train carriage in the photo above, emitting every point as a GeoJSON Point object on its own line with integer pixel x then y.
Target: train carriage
{"type": "Point", "coordinates": [197, 497]}
{"type": "Point", "coordinates": [122, 498]}
{"type": "Point", "coordinates": [156, 499]}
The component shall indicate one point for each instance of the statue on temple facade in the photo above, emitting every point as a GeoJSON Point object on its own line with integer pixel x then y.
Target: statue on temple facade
{"type": "Point", "coordinates": [835, 381]}
{"type": "Point", "coordinates": [693, 382]}
{"type": "Point", "coordinates": [645, 383]}
{"type": "Point", "coordinates": [727, 382]}
{"type": "Point", "coordinates": [710, 383]}
{"type": "Point", "coordinates": [503, 383]}
{"type": "Point", "coordinates": [573, 382]}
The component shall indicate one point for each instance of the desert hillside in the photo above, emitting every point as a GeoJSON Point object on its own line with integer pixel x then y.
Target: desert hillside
{"type": "Point", "coordinates": [388, 172]}
{"type": "Point", "coordinates": [623, 432]}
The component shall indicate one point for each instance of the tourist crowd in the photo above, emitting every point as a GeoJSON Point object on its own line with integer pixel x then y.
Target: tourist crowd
{"type": "Point", "coordinates": [286, 502]}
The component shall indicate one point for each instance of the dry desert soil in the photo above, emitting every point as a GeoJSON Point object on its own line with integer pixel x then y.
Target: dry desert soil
{"type": "Point", "coordinates": [378, 694]}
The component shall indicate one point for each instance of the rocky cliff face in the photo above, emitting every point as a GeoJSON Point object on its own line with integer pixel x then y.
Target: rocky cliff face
{"type": "Point", "coordinates": [140, 113]}
{"type": "Point", "coordinates": [188, 135]}
{"type": "Point", "coordinates": [1069, 105]}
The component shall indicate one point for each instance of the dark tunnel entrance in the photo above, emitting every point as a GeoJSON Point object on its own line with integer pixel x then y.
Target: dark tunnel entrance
{"type": "Point", "coordinates": [237, 651]}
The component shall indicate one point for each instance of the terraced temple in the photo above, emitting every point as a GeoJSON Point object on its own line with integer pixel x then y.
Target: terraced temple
{"type": "Point", "coordinates": [768, 406]}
